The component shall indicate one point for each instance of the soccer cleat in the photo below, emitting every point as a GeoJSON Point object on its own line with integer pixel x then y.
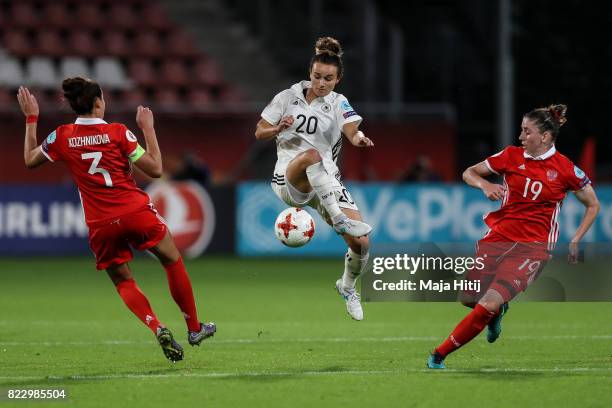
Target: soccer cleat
{"type": "Point", "coordinates": [436, 361]}
{"type": "Point", "coordinates": [352, 299]}
{"type": "Point", "coordinates": [172, 350]}
{"type": "Point", "coordinates": [494, 327]}
{"type": "Point", "coordinates": [206, 330]}
{"type": "Point", "coordinates": [351, 227]}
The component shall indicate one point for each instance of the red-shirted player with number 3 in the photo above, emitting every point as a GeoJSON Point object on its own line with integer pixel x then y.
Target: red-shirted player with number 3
{"type": "Point", "coordinates": [99, 156]}
{"type": "Point", "coordinates": [525, 229]}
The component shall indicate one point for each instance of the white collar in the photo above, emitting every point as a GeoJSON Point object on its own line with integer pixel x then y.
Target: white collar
{"type": "Point", "coordinates": [543, 156]}
{"type": "Point", "coordinates": [299, 90]}
{"type": "Point", "coordinates": [89, 121]}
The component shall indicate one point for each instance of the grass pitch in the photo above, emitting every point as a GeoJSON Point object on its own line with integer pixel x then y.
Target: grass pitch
{"type": "Point", "coordinates": [284, 340]}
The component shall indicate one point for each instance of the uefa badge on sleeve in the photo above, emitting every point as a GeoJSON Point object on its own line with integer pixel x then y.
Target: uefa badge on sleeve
{"type": "Point", "coordinates": [579, 173]}
{"type": "Point", "coordinates": [130, 136]}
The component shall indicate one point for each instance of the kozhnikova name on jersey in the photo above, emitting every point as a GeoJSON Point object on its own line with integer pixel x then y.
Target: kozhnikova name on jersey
{"type": "Point", "coordinates": [88, 140]}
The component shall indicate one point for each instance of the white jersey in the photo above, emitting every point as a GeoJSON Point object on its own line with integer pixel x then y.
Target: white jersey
{"type": "Point", "coordinates": [316, 125]}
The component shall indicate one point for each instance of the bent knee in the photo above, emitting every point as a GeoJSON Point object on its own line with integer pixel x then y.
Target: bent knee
{"type": "Point", "coordinates": [490, 305]}
{"type": "Point", "coordinates": [359, 245]}
{"type": "Point", "coordinates": [311, 156]}
{"type": "Point", "coordinates": [492, 300]}
{"type": "Point", "coordinates": [119, 273]}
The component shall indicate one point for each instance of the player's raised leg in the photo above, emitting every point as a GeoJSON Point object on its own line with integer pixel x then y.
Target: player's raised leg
{"type": "Point", "coordinates": [132, 296]}
{"type": "Point", "coordinates": [468, 328]}
{"type": "Point", "coordinates": [181, 289]}
{"type": "Point", "coordinates": [138, 303]}
{"type": "Point", "coordinates": [306, 173]}
{"type": "Point", "coordinates": [355, 261]}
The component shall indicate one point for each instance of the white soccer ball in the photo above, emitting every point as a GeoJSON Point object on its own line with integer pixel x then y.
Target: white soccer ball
{"type": "Point", "coordinates": [294, 227]}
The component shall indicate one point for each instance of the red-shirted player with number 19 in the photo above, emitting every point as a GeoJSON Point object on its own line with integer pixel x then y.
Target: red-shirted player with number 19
{"type": "Point", "coordinates": [99, 156]}
{"type": "Point", "coordinates": [523, 232]}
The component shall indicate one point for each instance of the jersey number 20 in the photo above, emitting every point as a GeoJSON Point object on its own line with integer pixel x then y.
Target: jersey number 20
{"type": "Point", "coordinates": [311, 124]}
{"type": "Point", "coordinates": [93, 169]}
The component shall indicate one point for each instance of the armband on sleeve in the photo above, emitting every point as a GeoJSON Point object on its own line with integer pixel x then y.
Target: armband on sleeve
{"type": "Point", "coordinates": [136, 154]}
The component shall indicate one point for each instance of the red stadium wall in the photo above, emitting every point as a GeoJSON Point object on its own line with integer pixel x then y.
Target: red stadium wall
{"type": "Point", "coordinates": [396, 147]}
{"type": "Point", "coordinates": [223, 140]}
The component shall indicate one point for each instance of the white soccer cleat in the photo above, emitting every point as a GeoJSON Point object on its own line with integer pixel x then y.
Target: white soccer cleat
{"type": "Point", "coordinates": [352, 299]}
{"type": "Point", "coordinates": [351, 227]}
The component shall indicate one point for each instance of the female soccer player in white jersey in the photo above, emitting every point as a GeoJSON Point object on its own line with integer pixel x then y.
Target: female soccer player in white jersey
{"type": "Point", "coordinates": [307, 121]}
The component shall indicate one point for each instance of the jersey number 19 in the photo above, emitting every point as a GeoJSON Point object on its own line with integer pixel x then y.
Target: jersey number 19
{"type": "Point", "coordinates": [536, 188]}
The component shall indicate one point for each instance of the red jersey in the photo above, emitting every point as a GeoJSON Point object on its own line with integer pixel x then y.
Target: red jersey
{"type": "Point", "coordinates": [536, 187]}
{"type": "Point", "coordinates": [99, 157]}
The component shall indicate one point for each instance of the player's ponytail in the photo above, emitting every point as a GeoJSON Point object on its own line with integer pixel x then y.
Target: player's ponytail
{"type": "Point", "coordinates": [549, 119]}
{"type": "Point", "coordinates": [81, 93]}
{"type": "Point", "coordinates": [557, 112]}
{"type": "Point", "coordinates": [328, 51]}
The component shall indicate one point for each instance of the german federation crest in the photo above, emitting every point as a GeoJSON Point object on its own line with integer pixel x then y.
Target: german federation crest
{"type": "Point", "coordinates": [189, 213]}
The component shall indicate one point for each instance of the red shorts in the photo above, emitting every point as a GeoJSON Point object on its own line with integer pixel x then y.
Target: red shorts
{"type": "Point", "coordinates": [110, 240]}
{"type": "Point", "coordinates": [509, 267]}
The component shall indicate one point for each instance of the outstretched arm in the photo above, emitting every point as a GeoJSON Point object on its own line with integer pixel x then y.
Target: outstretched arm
{"type": "Point", "coordinates": [356, 136]}
{"type": "Point", "coordinates": [32, 153]}
{"type": "Point", "coordinates": [151, 161]}
{"type": "Point", "coordinates": [474, 176]}
{"type": "Point", "coordinates": [588, 198]}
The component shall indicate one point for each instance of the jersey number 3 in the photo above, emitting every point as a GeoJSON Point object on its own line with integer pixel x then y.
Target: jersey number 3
{"type": "Point", "coordinates": [93, 169]}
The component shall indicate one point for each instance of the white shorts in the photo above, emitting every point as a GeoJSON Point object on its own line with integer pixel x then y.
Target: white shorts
{"type": "Point", "coordinates": [295, 198]}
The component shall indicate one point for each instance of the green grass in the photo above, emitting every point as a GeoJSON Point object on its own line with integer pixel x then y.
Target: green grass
{"type": "Point", "coordinates": [284, 339]}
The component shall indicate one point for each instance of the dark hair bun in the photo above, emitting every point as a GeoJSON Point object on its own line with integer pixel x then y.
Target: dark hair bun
{"type": "Point", "coordinates": [73, 86]}
{"type": "Point", "coordinates": [557, 112]}
{"type": "Point", "coordinates": [329, 45]}
{"type": "Point", "coordinates": [81, 93]}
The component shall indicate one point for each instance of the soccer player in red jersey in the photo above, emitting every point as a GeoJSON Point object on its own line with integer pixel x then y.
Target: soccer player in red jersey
{"type": "Point", "coordinates": [523, 231]}
{"type": "Point", "coordinates": [99, 156]}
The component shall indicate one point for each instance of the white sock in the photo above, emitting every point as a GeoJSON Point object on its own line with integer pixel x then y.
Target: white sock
{"type": "Point", "coordinates": [354, 264]}
{"type": "Point", "coordinates": [322, 185]}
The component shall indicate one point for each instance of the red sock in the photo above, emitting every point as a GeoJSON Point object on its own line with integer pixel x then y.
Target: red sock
{"type": "Point", "coordinates": [180, 288]}
{"type": "Point", "coordinates": [137, 302]}
{"type": "Point", "coordinates": [466, 330]}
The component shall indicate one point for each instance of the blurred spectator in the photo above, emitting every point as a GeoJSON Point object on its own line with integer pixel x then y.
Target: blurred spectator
{"type": "Point", "coordinates": [193, 168]}
{"type": "Point", "coordinates": [421, 172]}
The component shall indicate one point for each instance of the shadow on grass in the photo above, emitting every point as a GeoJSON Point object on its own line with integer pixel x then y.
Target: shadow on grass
{"type": "Point", "coordinates": [54, 381]}
{"type": "Point", "coordinates": [482, 374]}
{"type": "Point", "coordinates": [494, 374]}
{"type": "Point", "coordinates": [91, 378]}
{"type": "Point", "coordinates": [272, 376]}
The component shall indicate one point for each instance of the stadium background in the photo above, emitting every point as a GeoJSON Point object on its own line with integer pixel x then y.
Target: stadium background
{"type": "Point", "coordinates": [440, 84]}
